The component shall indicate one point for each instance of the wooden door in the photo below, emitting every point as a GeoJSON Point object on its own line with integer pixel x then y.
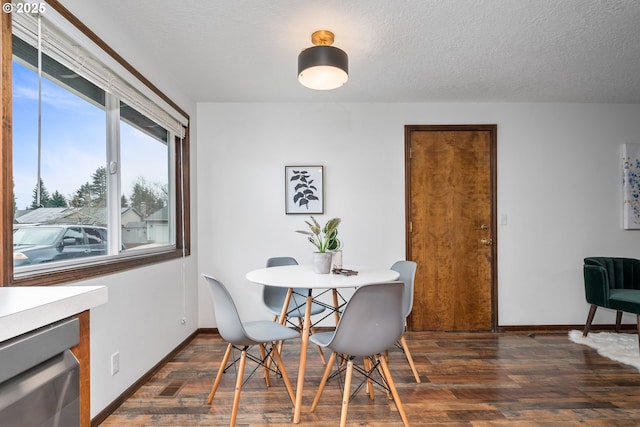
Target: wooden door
{"type": "Point", "coordinates": [451, 226]}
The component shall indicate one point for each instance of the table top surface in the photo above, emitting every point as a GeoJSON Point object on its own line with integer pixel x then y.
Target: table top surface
{"type": "Point", "coordinates": [303, 276]}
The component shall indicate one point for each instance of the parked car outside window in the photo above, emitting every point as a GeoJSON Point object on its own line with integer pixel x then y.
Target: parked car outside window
{"type": "Point", "coordinates": [48, 243]}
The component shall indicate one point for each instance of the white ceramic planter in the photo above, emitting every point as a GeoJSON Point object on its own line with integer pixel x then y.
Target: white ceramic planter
{"type": "Point", "coordinates": [322, 262]}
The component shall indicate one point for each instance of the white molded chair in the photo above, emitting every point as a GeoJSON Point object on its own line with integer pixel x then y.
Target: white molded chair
{"type": "Point", "coordinates": [407, 270]}
{"type": "Point", "coordinates": [274, 296]}
{"type": "Point", "coordinates": [242, 336]}
{"type": "Point", "coordinates": [372, 321]}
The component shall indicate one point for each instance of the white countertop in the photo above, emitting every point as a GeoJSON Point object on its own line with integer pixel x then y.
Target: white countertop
{"type": "Point", "coordinates": [25, 308]}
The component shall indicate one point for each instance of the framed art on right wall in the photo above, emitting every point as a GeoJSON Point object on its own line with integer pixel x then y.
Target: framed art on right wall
{"type": "Point", "coordinates": [631, 186]}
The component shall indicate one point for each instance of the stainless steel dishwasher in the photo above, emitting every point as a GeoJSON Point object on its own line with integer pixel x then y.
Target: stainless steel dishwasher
{"type": "Point", "coordinates": [40, 378]}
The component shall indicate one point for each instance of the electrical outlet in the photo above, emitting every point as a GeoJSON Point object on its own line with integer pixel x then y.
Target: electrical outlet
{"type": "Point", "coordinates": [115, 363]}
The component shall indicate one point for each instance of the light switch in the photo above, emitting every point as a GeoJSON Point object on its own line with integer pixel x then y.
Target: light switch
{"type": "Point", "coordinates": [503, 219]}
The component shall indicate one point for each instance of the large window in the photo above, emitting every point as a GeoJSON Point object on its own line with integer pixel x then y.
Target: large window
{"type": "Point", "coordinates": [98, 167]}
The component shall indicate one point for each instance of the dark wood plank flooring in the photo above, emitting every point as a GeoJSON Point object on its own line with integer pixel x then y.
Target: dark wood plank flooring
{"type": "Point", "coordinates": [468, 379]}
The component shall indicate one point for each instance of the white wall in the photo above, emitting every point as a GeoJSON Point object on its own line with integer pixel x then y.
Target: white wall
{"type": "Point", "coordinates": [559, 183]}
{"type": "Point", "coordinates": [141, 321]}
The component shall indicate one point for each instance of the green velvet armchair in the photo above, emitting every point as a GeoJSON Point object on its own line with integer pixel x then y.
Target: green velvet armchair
{"type": "Point", "coordinates": [612, 283]}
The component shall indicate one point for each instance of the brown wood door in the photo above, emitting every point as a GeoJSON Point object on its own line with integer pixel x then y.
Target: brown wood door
{"type": "Point", "coordinates": [451, 226]}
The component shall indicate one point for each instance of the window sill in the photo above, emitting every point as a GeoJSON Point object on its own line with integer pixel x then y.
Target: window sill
{"type": "Point", "coordinates": [88, 271]}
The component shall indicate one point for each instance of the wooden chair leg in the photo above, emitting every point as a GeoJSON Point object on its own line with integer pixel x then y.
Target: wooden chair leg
{"type": "Point", "coordinates": [381, 372]}
{"type": "Point", "coordinates": [592, 313]}
{"type": "Point", "coordinates": [285, 306]}
{"type": "Point", "coordinates": [346, 393]}
{"type": "Point", "coordinates": [275, 319]}
{"type": "Point", "coordinates": [281, 343]}
{"type": "Point", "coordinates": [407, 353]}
{"type": "Point", "coordinates": [336, 312]}
{"type": "Point", "coordinates": [394, 391]}
{"type": "Point", "coordinates": [322, 355]}
{"type": "Point", "coordinates": [268, 362]}
{"type": "Point", "coordinates": [236, 394]}
{"type": "Point", "coordinates": [265, 367]}
{"type": "Point", "coordinates": [283, 372]}
{"type": "Point", "coordinates": [323, 381]}
{"type": "Point", "coordinates": [367, 367]}
{"type": "Point", "coordinates": [618, 320]}
{"type": "Point", "coordinates": [225, 359]}
{"type": "Point", "coordinates": [324, 361]}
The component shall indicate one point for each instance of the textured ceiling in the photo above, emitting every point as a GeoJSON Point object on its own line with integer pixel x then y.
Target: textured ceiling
{"type": "Point", "coordinates": [399, 50]}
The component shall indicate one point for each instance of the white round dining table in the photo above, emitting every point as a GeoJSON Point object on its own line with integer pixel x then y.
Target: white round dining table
{"type": "Point", "coordinates": [303, 276]}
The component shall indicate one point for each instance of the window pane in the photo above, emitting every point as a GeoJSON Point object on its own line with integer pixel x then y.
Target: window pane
{"type": "Point", "coordinates": [70, 159]}
{"type": "Point", "coordinates": [144, 168]}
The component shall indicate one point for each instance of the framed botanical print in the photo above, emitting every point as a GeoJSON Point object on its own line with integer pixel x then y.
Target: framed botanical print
{"type": "Point", "coordinates": [304, 189]}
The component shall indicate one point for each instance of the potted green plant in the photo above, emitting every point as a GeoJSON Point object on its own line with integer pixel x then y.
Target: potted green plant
{"type": "Point", "coordinates": [325, 239]}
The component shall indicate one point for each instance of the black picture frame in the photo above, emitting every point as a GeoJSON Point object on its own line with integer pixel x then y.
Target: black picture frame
{"type": "Point", "coordinates": [304, 189]}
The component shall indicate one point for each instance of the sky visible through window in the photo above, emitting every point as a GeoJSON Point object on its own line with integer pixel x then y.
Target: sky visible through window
{"type": "Point", "coordinates": [73, 141]}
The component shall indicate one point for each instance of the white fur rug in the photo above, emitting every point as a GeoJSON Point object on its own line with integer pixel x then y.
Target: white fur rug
{"type": "Point", "coordinates": [620, 347]}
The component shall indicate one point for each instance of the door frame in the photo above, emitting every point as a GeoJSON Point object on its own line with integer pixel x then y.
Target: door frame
{"type": "Point", "coordinates": [493, 160]}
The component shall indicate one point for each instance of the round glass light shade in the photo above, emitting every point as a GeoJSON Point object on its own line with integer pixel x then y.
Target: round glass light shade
{"type": "Point", "coordinates": [323, 67]}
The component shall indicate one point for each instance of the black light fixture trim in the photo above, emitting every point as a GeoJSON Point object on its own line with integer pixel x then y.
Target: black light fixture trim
{"type": "Point", "coordinates": [323, 55]}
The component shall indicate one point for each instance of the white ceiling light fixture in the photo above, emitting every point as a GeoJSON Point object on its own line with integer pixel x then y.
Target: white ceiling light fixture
{"type": "Point", "coordinates": [323, 67]}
